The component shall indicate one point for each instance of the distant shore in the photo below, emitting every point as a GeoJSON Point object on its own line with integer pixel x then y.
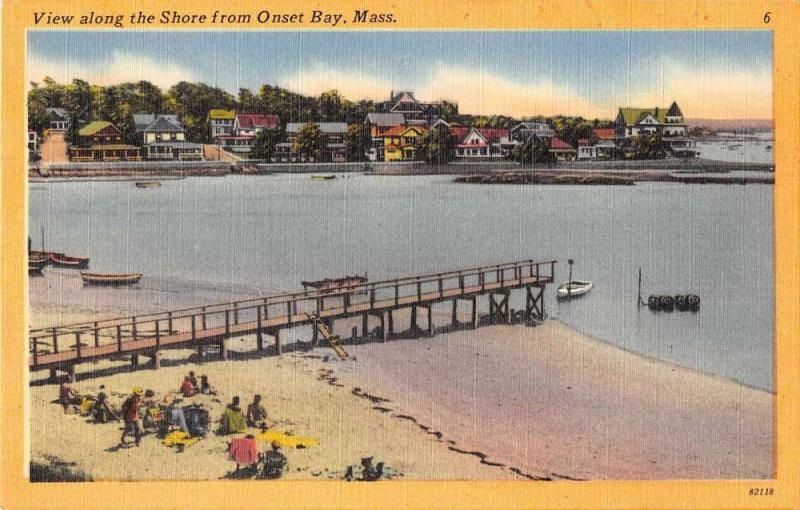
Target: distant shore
{"type": "Point", "coordinates": [146, 169]}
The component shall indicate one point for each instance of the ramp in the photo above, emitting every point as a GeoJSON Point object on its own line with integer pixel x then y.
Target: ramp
{"type": "Point", "coordinates": [326, 333]}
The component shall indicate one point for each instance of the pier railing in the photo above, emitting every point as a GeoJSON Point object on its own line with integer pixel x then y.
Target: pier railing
{"type": "Point", "coordinates": [281, 310]}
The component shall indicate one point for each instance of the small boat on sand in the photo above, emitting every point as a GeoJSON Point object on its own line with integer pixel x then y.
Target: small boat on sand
{"type": "Point", "coordinates": [110, 279]}
{"type": "Point", "coordinates": [324, 177]}
{"type": "Point", "coordinates": [36, 264]}
{"type": "Point", "coordinates": [147, 184]}
{"type": "Point", "coordinates": [336, 284]}
{"type": "Point", "coordinates": [61, 260]}
{"type": "Point", "coordinates": [573, 288]}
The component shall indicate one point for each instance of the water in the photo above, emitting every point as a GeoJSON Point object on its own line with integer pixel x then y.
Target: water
{"type": "Point", "coordinates": [270, 232]}
{"type": "Point", "coordinates": [747, 151]}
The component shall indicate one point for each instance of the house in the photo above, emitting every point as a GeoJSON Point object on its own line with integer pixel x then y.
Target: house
{"type": "Point", "coordinates": [403, 101]}
{"type": "Point", "coordinates": [246, 126]}
{"type": "Point", "coordinates": [481, 143]}
{"type": "Point", "coordinates": [523, 131]}
{"type": "Point", "coordinates": [102, 141]}
{"type": "Point", "coordinates": [667, 122]}
{"type": "Point", "coordinates": [220, 122]}
{"type": "Point", "coordinates": [378, 124]}
{"type": "Point", "coordinates": [251, 124]}
{"type": "Point", "coordinates": [59, 119]}
{"type": "Point", "coordinates": [163, 138]}
{"type": "Point", "coordinates": [561, 149]}
{"type": "Point", "coordinates": [334, 150]}
{"type": "Point", "coordinates": [32, 140]}
{"type": "Point", "coordinates": [602, 149]}
{"type": "Point", "coordinates": [400, 143]}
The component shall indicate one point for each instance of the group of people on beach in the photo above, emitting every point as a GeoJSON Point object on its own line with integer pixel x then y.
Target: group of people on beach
{"type": "Point", "coordinates": [142, 410]}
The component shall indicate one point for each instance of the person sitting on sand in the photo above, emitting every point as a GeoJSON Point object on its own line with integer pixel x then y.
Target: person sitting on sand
{"type": "Point", "coordinates": [187, 388]}
{"type": "Point", "coordinates": [243, 451]}
{"type": "Point", "coordinates": [192, 378]}
{"type": "Point", "coordinates": [233, 420]}
{"type": "Point", "coordinates": [151, 413]}
{"type": "Point", "coordinates": [130, 413]}
{"type": "Point", "coordinates": [101, 411]}
{"type": "Point", "coordinates": [274, 462]}
{"type": "Point", "coordinates": [173, 416]}
{"type": "Point", "coordinates": [67, 396]}
{"type": "Point", "coordinates": [257, 415]}
{"type": "Point", "coordinates": [205, 387]}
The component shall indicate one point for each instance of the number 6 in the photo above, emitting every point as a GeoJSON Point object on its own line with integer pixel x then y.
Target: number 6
{"type": "Point", "coordinates": [766, 17]}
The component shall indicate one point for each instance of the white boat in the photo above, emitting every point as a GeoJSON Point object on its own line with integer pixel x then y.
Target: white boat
{"type": "Point", "coordinates": [573, 288]}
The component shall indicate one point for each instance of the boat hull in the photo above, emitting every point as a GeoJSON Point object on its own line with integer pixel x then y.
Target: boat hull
{"type": "Point", "coordinates": [573, 289]}
{"type": "Point", "coordinates": [61, 260]}
{"type": "Point", "coordinates": [110, 279]}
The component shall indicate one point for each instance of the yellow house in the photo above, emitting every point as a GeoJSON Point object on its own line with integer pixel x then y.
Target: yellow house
{"type": "Point", "coordinates": [400, 143]}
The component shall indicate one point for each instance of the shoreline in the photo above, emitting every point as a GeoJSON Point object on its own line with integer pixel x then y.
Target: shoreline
{"type": "Point", "coordinates": [542, 395]}
{"type": "Point", "coordinates": [567, 177]}
{"type": "Point", "coordinates": [132, 170]}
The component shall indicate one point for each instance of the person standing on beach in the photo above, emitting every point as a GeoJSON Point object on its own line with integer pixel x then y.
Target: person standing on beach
{"type": "Point", "coordinates": [130, 413]}
{"type": "Point", "coordinates": [67, 396]}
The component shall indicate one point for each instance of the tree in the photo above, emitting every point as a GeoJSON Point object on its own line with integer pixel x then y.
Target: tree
{"type": "Point", "coordinates": [264, 144]}
{"type": "Point", "coordinates": [248, 102]}
{"type": "Point", "coordinates": [534, 150]}
{"type": "Point", "coordinates": [356, 141]}
{"type": "Point", "coordinates": [436, 146]}
{"type": "Point", "coordinates": [310, 142]}
{"type": "Point", "coordinates": [330, 106]}
{"type": "Point", "coordinates": [648, 146]}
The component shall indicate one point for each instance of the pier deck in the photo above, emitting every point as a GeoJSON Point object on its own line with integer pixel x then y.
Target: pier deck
{"type": "Point", "coordinates": [63, 347]}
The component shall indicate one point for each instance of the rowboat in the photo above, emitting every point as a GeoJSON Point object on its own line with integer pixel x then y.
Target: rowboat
{"type": "Point", "coordinates": [36, 264]}
{"type": "Point", "coordinates": [573, 288]}
{"type": "Point", "coordinates": [336, 284]}
{"type": "Point", "coordinates": [110, 279]}
{"type": "Point", "coordinates": [324, 177]}
{"type": "Point", "coordinates": [147, 184]}
{"type": "Point", "coordinates": [61, 260]}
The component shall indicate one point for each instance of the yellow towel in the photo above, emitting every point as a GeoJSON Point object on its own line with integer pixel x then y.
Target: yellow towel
{"type": "Point", "coordinates": [179, 437]}
{"type": "Point", "coordinates": [285, 439]}
{"type": "Point", "coordinates": [86, 405]}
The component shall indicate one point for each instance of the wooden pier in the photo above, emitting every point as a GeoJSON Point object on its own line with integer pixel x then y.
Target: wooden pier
{"type": "Point", "coordinates": [64, 347]}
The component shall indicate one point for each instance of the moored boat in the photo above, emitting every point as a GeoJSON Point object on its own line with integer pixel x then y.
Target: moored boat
{"type": "Point", "coordinates": [336, 284]}
{"type": "Point", "coordinates": [61, 260]}
{"type": "Point", "coordinates": [147, 184]}
{"type": "Point", "coordinates": [36, 264]}
{"type": "Point", "coordinates": [573, 288]}
{"type": "Point", "coordinates": [110, 279]}
{"type": "Point", "coordinates": [324, 177]}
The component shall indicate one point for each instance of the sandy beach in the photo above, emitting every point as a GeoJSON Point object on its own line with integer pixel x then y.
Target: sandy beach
{"type": "Point", "coordinates": [498, 402]}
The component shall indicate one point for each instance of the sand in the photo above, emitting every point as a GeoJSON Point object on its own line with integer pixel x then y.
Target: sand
{"type": "Point", "coordinates": [498, 402]}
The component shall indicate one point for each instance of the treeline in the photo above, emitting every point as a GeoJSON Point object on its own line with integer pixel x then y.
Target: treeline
{"type": "Point", "coordinates": [192, 101]}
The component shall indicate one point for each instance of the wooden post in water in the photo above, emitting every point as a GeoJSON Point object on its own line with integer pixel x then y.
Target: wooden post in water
{"type": "Point", "coordinates": [430, 320]}
{"type": "Point", "coordinates": [454, 321]}
{"type": "Point", "coordinates": [259, 334]}
{"type": "Point", "coordinates": [639, 300]}
{"type": "Point", "coordinates": [474, 318]}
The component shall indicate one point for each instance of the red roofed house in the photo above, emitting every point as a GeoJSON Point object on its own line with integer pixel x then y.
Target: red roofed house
{"type": "Point", "coordinates": [561, 149]}
{"type": "Point", "coordinates": [604, 134]}
{"type": "Point", "coordinates": [246, 127]}
{"type": "Point", "coordinates": [481, 143]}
{"type": "Point", "coordinates": [250, 124]}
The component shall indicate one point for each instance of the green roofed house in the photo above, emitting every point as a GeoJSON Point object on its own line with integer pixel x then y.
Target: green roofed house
{"type": "Point", "coordinates": [221, 122]}
{"type": "Point", "coordinates": [666, 122]}
{"type": "Point", "coordinates": [102, 141]}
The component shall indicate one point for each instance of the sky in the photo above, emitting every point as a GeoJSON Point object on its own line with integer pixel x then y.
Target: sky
{"type": "Point", "coordinates": [711, 74]}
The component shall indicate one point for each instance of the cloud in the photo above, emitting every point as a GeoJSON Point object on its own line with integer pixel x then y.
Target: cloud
{"type": "Point", "coordinates": [118, 67]}
{"type": "Point", "coordinates": [722, 92]}
{"type": "Point", "coordinates": [353, 85]}
{"type": "Point", "coordinates": [475, 91]}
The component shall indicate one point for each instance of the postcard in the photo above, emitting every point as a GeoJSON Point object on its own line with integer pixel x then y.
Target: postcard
{"type": "Point", "coordinates": [373, 255]}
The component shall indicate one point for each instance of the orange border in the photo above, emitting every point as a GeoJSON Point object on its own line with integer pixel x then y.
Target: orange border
{"type": "Point", "coordinates": [17, 493]}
